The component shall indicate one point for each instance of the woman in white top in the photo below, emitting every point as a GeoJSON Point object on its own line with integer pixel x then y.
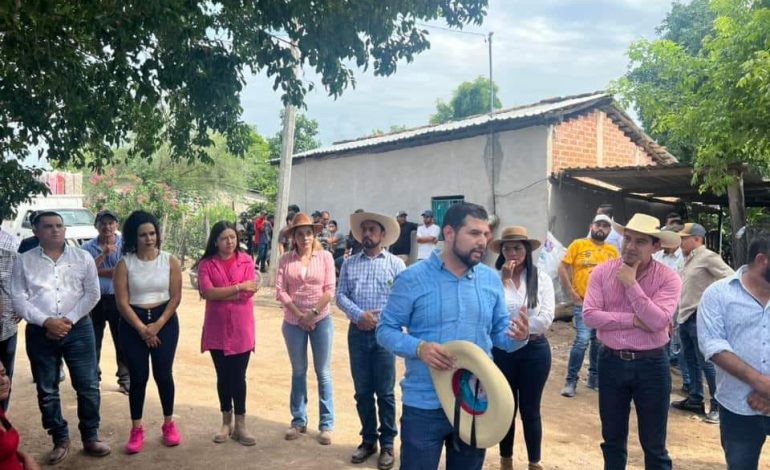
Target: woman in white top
{"type": "Point", "coordinates": [148, 289]}
{"type": "Point", "coordinates": [527, 291]}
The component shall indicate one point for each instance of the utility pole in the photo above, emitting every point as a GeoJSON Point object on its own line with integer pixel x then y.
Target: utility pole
{"type": "Point", "coordinates": [489, 148]}
{"type": "Point", "coordinates": [284, 179]}
{"type": "Point", "coordinates": [491, 85]}
{"type": "Point", "coordinates": [284, 186]}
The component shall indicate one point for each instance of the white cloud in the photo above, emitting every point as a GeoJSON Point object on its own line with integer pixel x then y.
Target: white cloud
{"type": "Point", "coordinates": [541, 48]}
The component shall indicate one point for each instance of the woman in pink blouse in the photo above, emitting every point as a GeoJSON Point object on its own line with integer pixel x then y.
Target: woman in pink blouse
{"type": "Point", "coordinates": [227, 280]}
{"type": "Point", "coordinates": [305, 285]}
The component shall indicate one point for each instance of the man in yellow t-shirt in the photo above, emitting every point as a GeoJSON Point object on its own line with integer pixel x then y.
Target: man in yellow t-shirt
{"type": "Point", "coordinates": [583, 255]}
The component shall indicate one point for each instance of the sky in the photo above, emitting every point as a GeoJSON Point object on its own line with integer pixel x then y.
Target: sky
{"type": "Point", "coordinates": [541, 49]}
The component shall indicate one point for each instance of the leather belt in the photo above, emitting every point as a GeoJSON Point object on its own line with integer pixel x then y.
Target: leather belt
{"type": "Point", "coordinates": [628, 355]}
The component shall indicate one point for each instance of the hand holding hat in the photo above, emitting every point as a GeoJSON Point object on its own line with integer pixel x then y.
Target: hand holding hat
{"type": "Point", "coordinates": [435, 356]}
{"type": "Point", "coordinates": [474, 394]}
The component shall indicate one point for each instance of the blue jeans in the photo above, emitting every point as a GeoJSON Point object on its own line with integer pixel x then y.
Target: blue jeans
{"type": "Point", "coordinates": [647, 382]}
{"type": "Point", "coordinates": [106, 313]}
{"type": "Point", "coordinates": [583, 337]}
{"type": "Point", "coordinates": [696, 363]}
{"type": "Point", "coordinates": [8, 358]}
{"type": "Point", "coordinates": [262, 255]}
{"type": "Point", "coordinates": [321, 343]}
{"type": "Point", "coordinates": [374, 372]}
{"type": "Point", "coordinates": [677, 350]}
{"type": "Point", "coordinates": [423, 435]}
{"type": "Point", "coordinates": [79, 353]}
{"type": "Point", "coordinates": [742, 438]}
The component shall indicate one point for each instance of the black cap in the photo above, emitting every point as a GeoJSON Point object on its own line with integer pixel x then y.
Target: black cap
{"type": "Point", "coordinates": [401, 213]}
{"type": "Point", "coordinates": [105, 213]}
{"type": "Point", "coordinates": [316, 214]}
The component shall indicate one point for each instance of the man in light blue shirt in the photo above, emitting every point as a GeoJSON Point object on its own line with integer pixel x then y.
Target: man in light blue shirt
{"type": "Point", "coordinates": [734, 333]}
{"type": "Point", "coordinates": [106, 250]}
{"type": "Point", "coordinates": [449, 296]}
{"type": "Point", "coordinates": [362, 292]}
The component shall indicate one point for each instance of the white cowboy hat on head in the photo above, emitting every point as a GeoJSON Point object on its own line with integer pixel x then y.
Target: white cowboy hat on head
{"type": "Point", "coordinates": [475, 396]}
{"type": "Point", "coordinates": [649, 225]}
{"type": "Point", "coordinates": [390, 224]}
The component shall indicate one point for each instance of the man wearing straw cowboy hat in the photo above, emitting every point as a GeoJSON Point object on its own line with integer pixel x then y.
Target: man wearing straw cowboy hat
{"type": "Point", "coordinates": [449, 296]}
{"type": "Point", "coordinates": [364, 285]}
{"type": "Point", "coordinates": [630, 302]}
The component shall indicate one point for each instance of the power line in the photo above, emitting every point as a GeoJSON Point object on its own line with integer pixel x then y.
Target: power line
{"type": "Point", "coordinates": [451, 30]}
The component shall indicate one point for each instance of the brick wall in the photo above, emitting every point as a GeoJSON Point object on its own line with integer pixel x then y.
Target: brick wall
{"type": "Point", "coordinates": [582, 142]}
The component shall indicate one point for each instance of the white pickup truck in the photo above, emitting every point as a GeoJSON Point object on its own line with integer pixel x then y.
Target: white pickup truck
{"type": "Point", "coordinates": [78, 220]}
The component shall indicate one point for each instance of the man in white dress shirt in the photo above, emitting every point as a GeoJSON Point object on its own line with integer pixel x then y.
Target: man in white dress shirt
{"type": "Point", "coordinates": [54, 287]}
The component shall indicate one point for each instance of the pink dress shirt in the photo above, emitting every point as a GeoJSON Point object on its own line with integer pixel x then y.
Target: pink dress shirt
{"type": "Point", "coordinates": [304, 291]}
{"type": "Point", "coordinates": [229, 324]}
{"type": "Point", "coordinates": [610, 307]}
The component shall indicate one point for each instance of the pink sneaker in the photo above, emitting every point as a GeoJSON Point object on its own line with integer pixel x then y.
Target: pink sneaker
{"type": "Point", "coordinates": [171, 435]}
{"type": "Point", "coordinates": [135, 441]}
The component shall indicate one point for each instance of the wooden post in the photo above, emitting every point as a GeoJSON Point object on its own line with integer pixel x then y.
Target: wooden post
{"type": "Point", "coordinates": [284, 178]}
{"type": "Point", "coordinates": [284, 188]}
{"type": "Point", "coordinates": [737, 203]}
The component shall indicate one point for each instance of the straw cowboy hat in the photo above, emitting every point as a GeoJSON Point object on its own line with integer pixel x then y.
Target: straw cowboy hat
{"type": "Point", "coordinates": [392, 228]}
{"type": "Point", "coordinates": [475, 396]}
{"type": "Point", "coordinates": [302, 220]}
{"type": "Point", "coordinates": [514, 233]}
{"type": "Point", "coordinates": [649, 225]}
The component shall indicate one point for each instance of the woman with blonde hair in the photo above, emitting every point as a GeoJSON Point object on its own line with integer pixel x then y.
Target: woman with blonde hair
{"type": "Point", "coordinates": [528, 291]}
{"type": "Point", "coordinates": [305, 286]}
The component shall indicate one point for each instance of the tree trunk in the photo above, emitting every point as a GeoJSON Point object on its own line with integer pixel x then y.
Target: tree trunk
{"type": "Point", "coordinates": [183, 247]}
{"type": "Point", "coordinates": [738, 220]}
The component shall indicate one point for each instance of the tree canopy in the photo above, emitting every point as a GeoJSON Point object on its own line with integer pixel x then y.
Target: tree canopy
{"type": "Point", "coordinates": [305, 136]}
{"type": "Point", "coordinates": [468, 99]}
{"type": "Point", "coordinates": [83, 78]}
{"type": "Point", "coordinates": [708, 103]}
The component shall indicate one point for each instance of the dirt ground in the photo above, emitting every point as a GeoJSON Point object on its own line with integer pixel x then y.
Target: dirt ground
{"type": "Point", "coordinates": [571, 426]}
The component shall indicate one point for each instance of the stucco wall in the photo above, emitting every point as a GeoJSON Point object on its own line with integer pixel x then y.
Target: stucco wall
{"type": "Point", "coordinates": [408, 178]}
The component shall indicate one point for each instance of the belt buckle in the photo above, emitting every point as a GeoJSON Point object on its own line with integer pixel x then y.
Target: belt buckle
{"type": "Point", "coordinates": [627, 355]}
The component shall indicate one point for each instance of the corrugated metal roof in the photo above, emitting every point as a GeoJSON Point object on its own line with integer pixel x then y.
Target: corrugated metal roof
{"type": "Point", "coordinates": [666, 181]}
{"type": "Point", "coordinates": [540, 108]}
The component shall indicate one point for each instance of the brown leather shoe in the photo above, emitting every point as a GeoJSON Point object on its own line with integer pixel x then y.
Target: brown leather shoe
{"type": "Point", "coordinates": [385, 461]}
{"type": "Point", "coordinates": [58, 453]}
{"type": "Point", "coordinates": [363, 452]}
{"type": "Point", "coordinates": [96, 448]}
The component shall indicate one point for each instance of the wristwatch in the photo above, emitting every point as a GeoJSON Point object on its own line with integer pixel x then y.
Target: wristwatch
{"type": "Point", "coordinates": [315, 311]}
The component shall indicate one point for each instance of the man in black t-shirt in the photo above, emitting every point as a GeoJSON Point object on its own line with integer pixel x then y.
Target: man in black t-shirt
{"type": "Point", "coordinates": [403, 245]}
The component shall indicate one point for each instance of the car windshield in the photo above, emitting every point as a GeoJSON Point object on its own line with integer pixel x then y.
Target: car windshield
{"type": "Point", "coordinates": [76, 217]}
